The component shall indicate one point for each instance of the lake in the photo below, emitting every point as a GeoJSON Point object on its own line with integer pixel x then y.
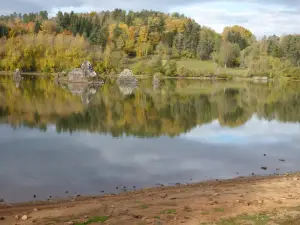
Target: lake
{"type": "Point", "coordinates": [61, 140]}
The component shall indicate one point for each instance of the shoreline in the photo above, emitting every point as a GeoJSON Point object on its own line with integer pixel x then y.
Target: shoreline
{"type": "Point", "coordinates": [213, 77]}
{"type": "Point", "coordinates": [231, 196]}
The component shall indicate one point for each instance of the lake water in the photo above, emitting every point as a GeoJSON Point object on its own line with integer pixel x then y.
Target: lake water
{"type": "Point", "coordinates": [90, 140]}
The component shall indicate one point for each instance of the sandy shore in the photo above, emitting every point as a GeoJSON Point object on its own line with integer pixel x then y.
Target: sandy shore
{"type": "Point", "coordinates": [269, 200]}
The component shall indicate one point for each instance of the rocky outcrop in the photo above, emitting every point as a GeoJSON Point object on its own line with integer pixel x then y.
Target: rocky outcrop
{"type": "Point", "coordinates": [17, 75]}
{"type": "Point", "coordinates": [127, 82]}
{"type": "Point", "coordinates": [82, 74]}
{"type": "Point", "coordinates": [155, 82]}
{"type": "Point", "coordinates": [126, 77]}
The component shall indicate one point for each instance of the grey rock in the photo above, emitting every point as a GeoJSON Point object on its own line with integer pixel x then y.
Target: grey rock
{"type": "Point", "coordinates": [25, 217]}
{"type": "Point", "coordinates": [86, 66]}
{"type": "Point", "coordinates": [77, 76]}
{"type": "Point", "coordinates": [126, 77]}
{"type": "Point", "coordinates": [127, 82]}
{"type": "Point", "coordinates": [156, 82]}
{"type": "Point", "coordinates": [82, 74]}
{"type": "Point", "coordinates": [69, 223]}
{"type": "Point", "coordinates": [17, 75]}
{"type": "Point", "coordinates": [163, 195]}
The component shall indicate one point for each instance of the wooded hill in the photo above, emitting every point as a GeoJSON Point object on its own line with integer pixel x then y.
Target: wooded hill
{"type": "Point", "coordinates": [152, 40]}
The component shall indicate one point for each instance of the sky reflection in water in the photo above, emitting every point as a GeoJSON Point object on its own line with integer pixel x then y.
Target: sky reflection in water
{"type": "Point", "coordinates": [48, 163]}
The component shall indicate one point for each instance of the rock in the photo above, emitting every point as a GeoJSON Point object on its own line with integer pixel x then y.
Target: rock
{"type": "Point", "coordinates": [17, 217]}
{"type": "Point", "coordinates": [279, 202]}
{"type": "Point", "coordinates": [25, 217]}
{"type": "Point", "coordinates": [172, 198]}
{"type": "Point", "coordinates": [69, 223]}
{"type": "Point", "coordinates": [241, 196]}
{"type": "Point", "coordinates": [164, 195]}
{"type": "Point", "coordinates": [295, 178]}
{"type": "Point", "coordinates": [82, 74]}
{"type": "Point", "coordinates": [150, 221]}
{"type": "Point", "coordinates": [215, 195]}
{"type": "Point", "coordinates": [1, 200]}
{"type": "Point", "coordinates": [126, 77]}
{"type": "Point", "coordinates": [214, 203]}
{"type": "Point", "coordinates": [155, 81]}
{"type": "Point", "coordinates": [34, 210]}
{"type": "Point", "coordinates": [77, 76]}
{"type": "Point", "coordinates": [2, 218]}
{"type": "Point", "coordinates": [260, 201]}
{"type": "Point", "coordinates": [136, 216]}
{"type": "Point", "coordinates": [17, 75]}
{"type": "Point", "coordinates": [86, 66]}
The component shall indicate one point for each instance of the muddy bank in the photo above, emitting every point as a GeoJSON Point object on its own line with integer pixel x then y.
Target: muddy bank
{"type": "Point", "coordinates": [268, 198]}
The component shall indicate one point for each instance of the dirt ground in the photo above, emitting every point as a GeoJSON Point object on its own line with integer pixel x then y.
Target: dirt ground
{"type": "Point", "coordinates": [270, 200]}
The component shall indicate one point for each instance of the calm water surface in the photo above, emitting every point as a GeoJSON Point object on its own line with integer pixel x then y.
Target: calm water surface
{"type": "Point", "coordinates": [89, 140]}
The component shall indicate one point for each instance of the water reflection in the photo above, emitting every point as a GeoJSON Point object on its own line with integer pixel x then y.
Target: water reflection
{"type": "Point", "coordinates": [175, 108]}
{"type": "Point", "coordinates": [205, 129]}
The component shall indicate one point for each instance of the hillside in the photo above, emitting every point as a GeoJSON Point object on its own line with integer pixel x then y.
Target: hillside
{"type": "Point", "coordinates": [114, 39]}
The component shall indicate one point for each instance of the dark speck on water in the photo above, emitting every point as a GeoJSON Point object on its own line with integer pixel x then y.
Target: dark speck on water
{"type": "Point", "coordinates": [264, 168]}
{"type": "Point", "coordinates": [282, 160]}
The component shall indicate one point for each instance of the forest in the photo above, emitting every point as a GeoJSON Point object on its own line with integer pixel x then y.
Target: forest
{"type": "Point", "coordinates": [148, 42]}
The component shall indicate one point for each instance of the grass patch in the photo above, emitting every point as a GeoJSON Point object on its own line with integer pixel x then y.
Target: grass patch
{"type": "Point", "coordinates": [219, 209]}
{"type": "Point", "coordinates": [157, 217]}
{"type": "Point", "coordinates": [260, 219]}
{"type": "Point", "coordinates": [144, 206]}
{"type": "Point", "coordinates": [204, 213]}
{"type": "Point", "coordinates": [210, 67]}
{"type": "Point", "coordinates": [96, 219]}
{"type": "Point", "coordinates": [168, 211]}
{"type": "Point", "coordinates": [196, 64]}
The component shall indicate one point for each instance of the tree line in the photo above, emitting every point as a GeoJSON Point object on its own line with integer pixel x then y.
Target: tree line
{"type": "Point", "coordinates": [112, 39]}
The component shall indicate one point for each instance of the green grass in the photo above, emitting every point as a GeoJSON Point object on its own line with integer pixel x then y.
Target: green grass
{"type": "Point", "coordinates": [210, 66]}
{"type": "Point", "coordinates": [168, 211]}
{"type": "Point", "coordinates": [144, 206]}
{"type": "Point", "coordinates": [197, 64]}
{"type": "Point", "coordinates": [219, 210]}
{"type": "Point", "coordinates": [260, 219]}
{"type": "Point", "coordinates": [95, 219]}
